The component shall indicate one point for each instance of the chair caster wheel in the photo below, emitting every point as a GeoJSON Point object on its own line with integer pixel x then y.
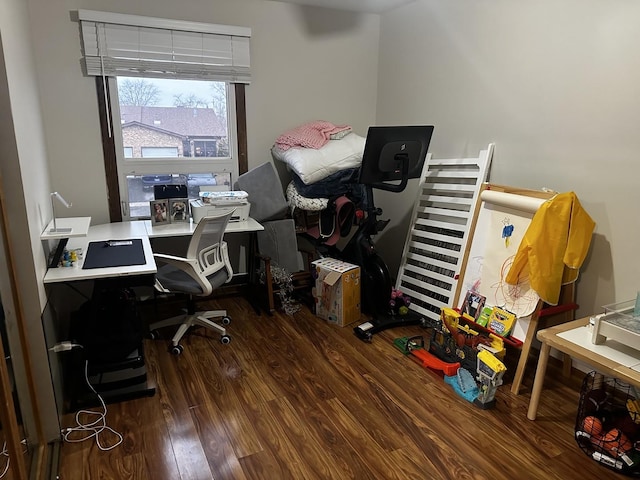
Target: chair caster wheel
{"type": "Point", "coordinates": [225, 339]}
{"type": "Point", "coordinates": [226, 320]}
{"type": "Point", "coordinates": [154, 335]}
{"type": "Point", "coordinates": [176, 349]}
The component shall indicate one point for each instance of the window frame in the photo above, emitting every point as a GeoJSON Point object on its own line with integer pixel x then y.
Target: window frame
{"type": "Point", "coordinates": [116, 181]}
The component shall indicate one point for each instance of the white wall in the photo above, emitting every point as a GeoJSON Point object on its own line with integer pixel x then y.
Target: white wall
{"type": "Point", "coordinates": [25, 187]}
{"type": "Point", "coordinates": [307, 64]}
{"type": "Point", "coordinates": [555, 84]}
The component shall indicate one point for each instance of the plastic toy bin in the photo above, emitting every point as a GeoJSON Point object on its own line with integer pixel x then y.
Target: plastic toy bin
{"type": "Point", "coordinates": [608, 423]}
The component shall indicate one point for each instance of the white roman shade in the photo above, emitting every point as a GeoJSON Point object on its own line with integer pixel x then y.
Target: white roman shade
{"type": "Point", "coordinates": [131, 45]}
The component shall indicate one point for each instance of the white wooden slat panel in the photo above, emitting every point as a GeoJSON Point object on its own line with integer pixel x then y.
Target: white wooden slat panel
{"type": "Point", "coordinates": [420, 263]}
{"type": "Point", "coordinates": [450, 212]}
{"type": "Point", "coordinates": [442, 245]}
{"type": "Point", "coordinates": [439, 229]}
{"type": "Point", "coordinates": [470, 174]}
{"type": "Point", "coordinates": [443, 271]}
{"type": "Point", "coordinates": [449, 199]}
{"type": "Point", "coordinates": [461, 187]}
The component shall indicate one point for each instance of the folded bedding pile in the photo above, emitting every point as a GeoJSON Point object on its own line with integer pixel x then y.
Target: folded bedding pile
{"type": "Point", "coordinates": [311, 135]}
{"type": "Point", "coordinates": [314, 164]}
{"type": "Point", "coordinates": [324, 160]}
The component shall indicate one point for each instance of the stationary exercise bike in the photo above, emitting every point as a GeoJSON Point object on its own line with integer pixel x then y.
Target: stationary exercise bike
{"type": "Point", "coordinates": [392, 156]}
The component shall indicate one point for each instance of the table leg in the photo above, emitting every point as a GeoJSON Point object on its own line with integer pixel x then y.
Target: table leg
{"type": "Point", "coordinates": [539, 381]}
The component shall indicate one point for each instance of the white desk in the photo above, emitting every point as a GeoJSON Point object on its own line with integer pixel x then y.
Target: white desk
{"type": "Point", "coordinates": [125, 231]}
{"type": "Point", "coordinates": [100, 233]}
{"type": "Point", "coordinates": [186, 228]}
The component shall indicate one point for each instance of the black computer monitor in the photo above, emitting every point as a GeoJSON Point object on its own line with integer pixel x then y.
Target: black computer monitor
{"type": "Point", "coordinates": [394, 153]}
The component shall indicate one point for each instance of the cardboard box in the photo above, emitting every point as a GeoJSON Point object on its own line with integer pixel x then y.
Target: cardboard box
{"type": "Point", "coordinates": [337, 291]}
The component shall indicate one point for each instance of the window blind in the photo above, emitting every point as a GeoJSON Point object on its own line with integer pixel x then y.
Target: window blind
{"type": "Point", "coordinates": [132, 45]}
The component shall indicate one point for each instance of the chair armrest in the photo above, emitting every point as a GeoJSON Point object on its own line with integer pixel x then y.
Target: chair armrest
{"type": "Point", "coordinates": [179, 262]}
{"type": "Point", "coordinates": [227, 262]}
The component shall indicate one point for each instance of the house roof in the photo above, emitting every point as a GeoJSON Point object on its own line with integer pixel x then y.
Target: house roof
{"type": "Point", "coordinates": [152, 127]}
{"type": "Point", "coordinates": [184, 121]}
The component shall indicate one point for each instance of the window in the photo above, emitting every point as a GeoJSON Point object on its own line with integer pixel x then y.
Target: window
{"type": "Point", "coordinates": [172, 114]}
{"type": "Point", "coordinates": [176, 130]}
{"type": "Point", "coordinates": [140, 188]}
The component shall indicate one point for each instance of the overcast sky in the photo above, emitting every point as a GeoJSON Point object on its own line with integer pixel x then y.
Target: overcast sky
{"type": "Point", "coordinates": [169, 88]}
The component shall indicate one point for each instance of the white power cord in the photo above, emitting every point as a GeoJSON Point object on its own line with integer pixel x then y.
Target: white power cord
{"type": "Point", "coordinates": [5, 453]}
{"type": "Point", "coordinates": [92, 429]}
{"type": "Point", "coordinates": [64, 346]}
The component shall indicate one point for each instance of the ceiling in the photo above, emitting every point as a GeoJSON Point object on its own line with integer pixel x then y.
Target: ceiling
{"type": "Point", "coordinates": [367, 6]}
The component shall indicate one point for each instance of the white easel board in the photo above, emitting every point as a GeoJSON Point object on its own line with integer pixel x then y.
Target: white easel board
{"type": "Point", "coordinates": [502, 221]}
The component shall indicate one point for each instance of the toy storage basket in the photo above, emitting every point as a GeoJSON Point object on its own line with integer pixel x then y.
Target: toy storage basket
{"type": "Point", "coordinates": [608, 423]}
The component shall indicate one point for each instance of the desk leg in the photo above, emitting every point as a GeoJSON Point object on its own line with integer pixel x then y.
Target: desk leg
{"type": "Point", "coordinates": [539, 381]}
{"type": "Point", "coordinates": [252, 267]}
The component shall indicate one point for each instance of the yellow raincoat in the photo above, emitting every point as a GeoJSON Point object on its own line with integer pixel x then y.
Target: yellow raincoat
{"type": "Point", "coordinates": [554, 246]}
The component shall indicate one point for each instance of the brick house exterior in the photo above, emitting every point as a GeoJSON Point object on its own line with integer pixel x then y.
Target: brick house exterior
{"type": "Point", "coordinates": [192, 131]}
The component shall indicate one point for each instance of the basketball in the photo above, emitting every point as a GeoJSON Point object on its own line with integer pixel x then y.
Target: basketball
{"type": "Point", "coordinates": [592, 425]}
{"type": "Point", "coordinates": [616, 442]}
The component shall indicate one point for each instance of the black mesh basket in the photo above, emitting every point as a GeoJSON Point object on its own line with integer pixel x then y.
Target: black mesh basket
{"type": "Point", "coordinates": [608, 423]}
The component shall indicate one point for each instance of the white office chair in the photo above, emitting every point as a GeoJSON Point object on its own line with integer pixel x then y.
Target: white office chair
{"type": "Point", "coordinates": [205, 268]}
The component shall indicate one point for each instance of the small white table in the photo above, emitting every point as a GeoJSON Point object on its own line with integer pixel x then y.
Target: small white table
{"type": "Point", "coordinates": [574, 339]}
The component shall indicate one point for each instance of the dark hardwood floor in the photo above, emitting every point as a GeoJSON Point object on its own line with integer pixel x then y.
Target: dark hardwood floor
{"type": "Point", "coordinates": [292, 397]}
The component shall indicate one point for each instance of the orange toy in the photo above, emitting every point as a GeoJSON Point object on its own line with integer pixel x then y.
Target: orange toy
{"type": "Point", "coordinates": [592, 425]}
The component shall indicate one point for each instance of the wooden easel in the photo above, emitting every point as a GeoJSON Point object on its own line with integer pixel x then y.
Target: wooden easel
{"type": "Point", "coordinates": [543, 314]}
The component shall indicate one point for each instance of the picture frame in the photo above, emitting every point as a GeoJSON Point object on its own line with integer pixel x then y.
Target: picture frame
{"type": "Point", "coordinates": [159, 212]}
{"type": "Point", "coordinates": [473, 304]}
{"type": "Point", "coordinates": [178, 210]}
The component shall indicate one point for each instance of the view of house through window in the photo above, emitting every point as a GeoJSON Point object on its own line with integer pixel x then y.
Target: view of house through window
{"type": "Point", "coordinates": [163, 119]}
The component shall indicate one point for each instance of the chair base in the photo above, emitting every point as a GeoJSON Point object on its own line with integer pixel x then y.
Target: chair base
{"type": "Point", "coordinates": [200, 319]}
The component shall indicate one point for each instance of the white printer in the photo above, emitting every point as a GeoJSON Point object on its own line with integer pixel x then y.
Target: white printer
{"type": "Point", "coordinates": [212, 203]}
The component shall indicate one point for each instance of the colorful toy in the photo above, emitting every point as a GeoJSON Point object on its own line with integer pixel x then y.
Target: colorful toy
{"type": "Point", "coordinates": [463, 384]}
{"type": "Point", "coordinates": [456, 349]}
{"type": "Point", "coordinates": [415, 347]}
{"type": "Point", "coordinates": [453, 341]}
{"type": "Point", "coordinates": [490, 373]}
{"type": "Point", "coordinates": [399, 302]}
{"type": "Point", "coordinates": [501, 321]}
{"type": "Point", "coordinates": [473, 304]}
{"type": "Point", "coordinates": [483, 319]}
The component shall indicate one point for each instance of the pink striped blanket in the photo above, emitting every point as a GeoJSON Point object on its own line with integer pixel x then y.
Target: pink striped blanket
{"type": "Point", "coordinates": [310, 135]}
